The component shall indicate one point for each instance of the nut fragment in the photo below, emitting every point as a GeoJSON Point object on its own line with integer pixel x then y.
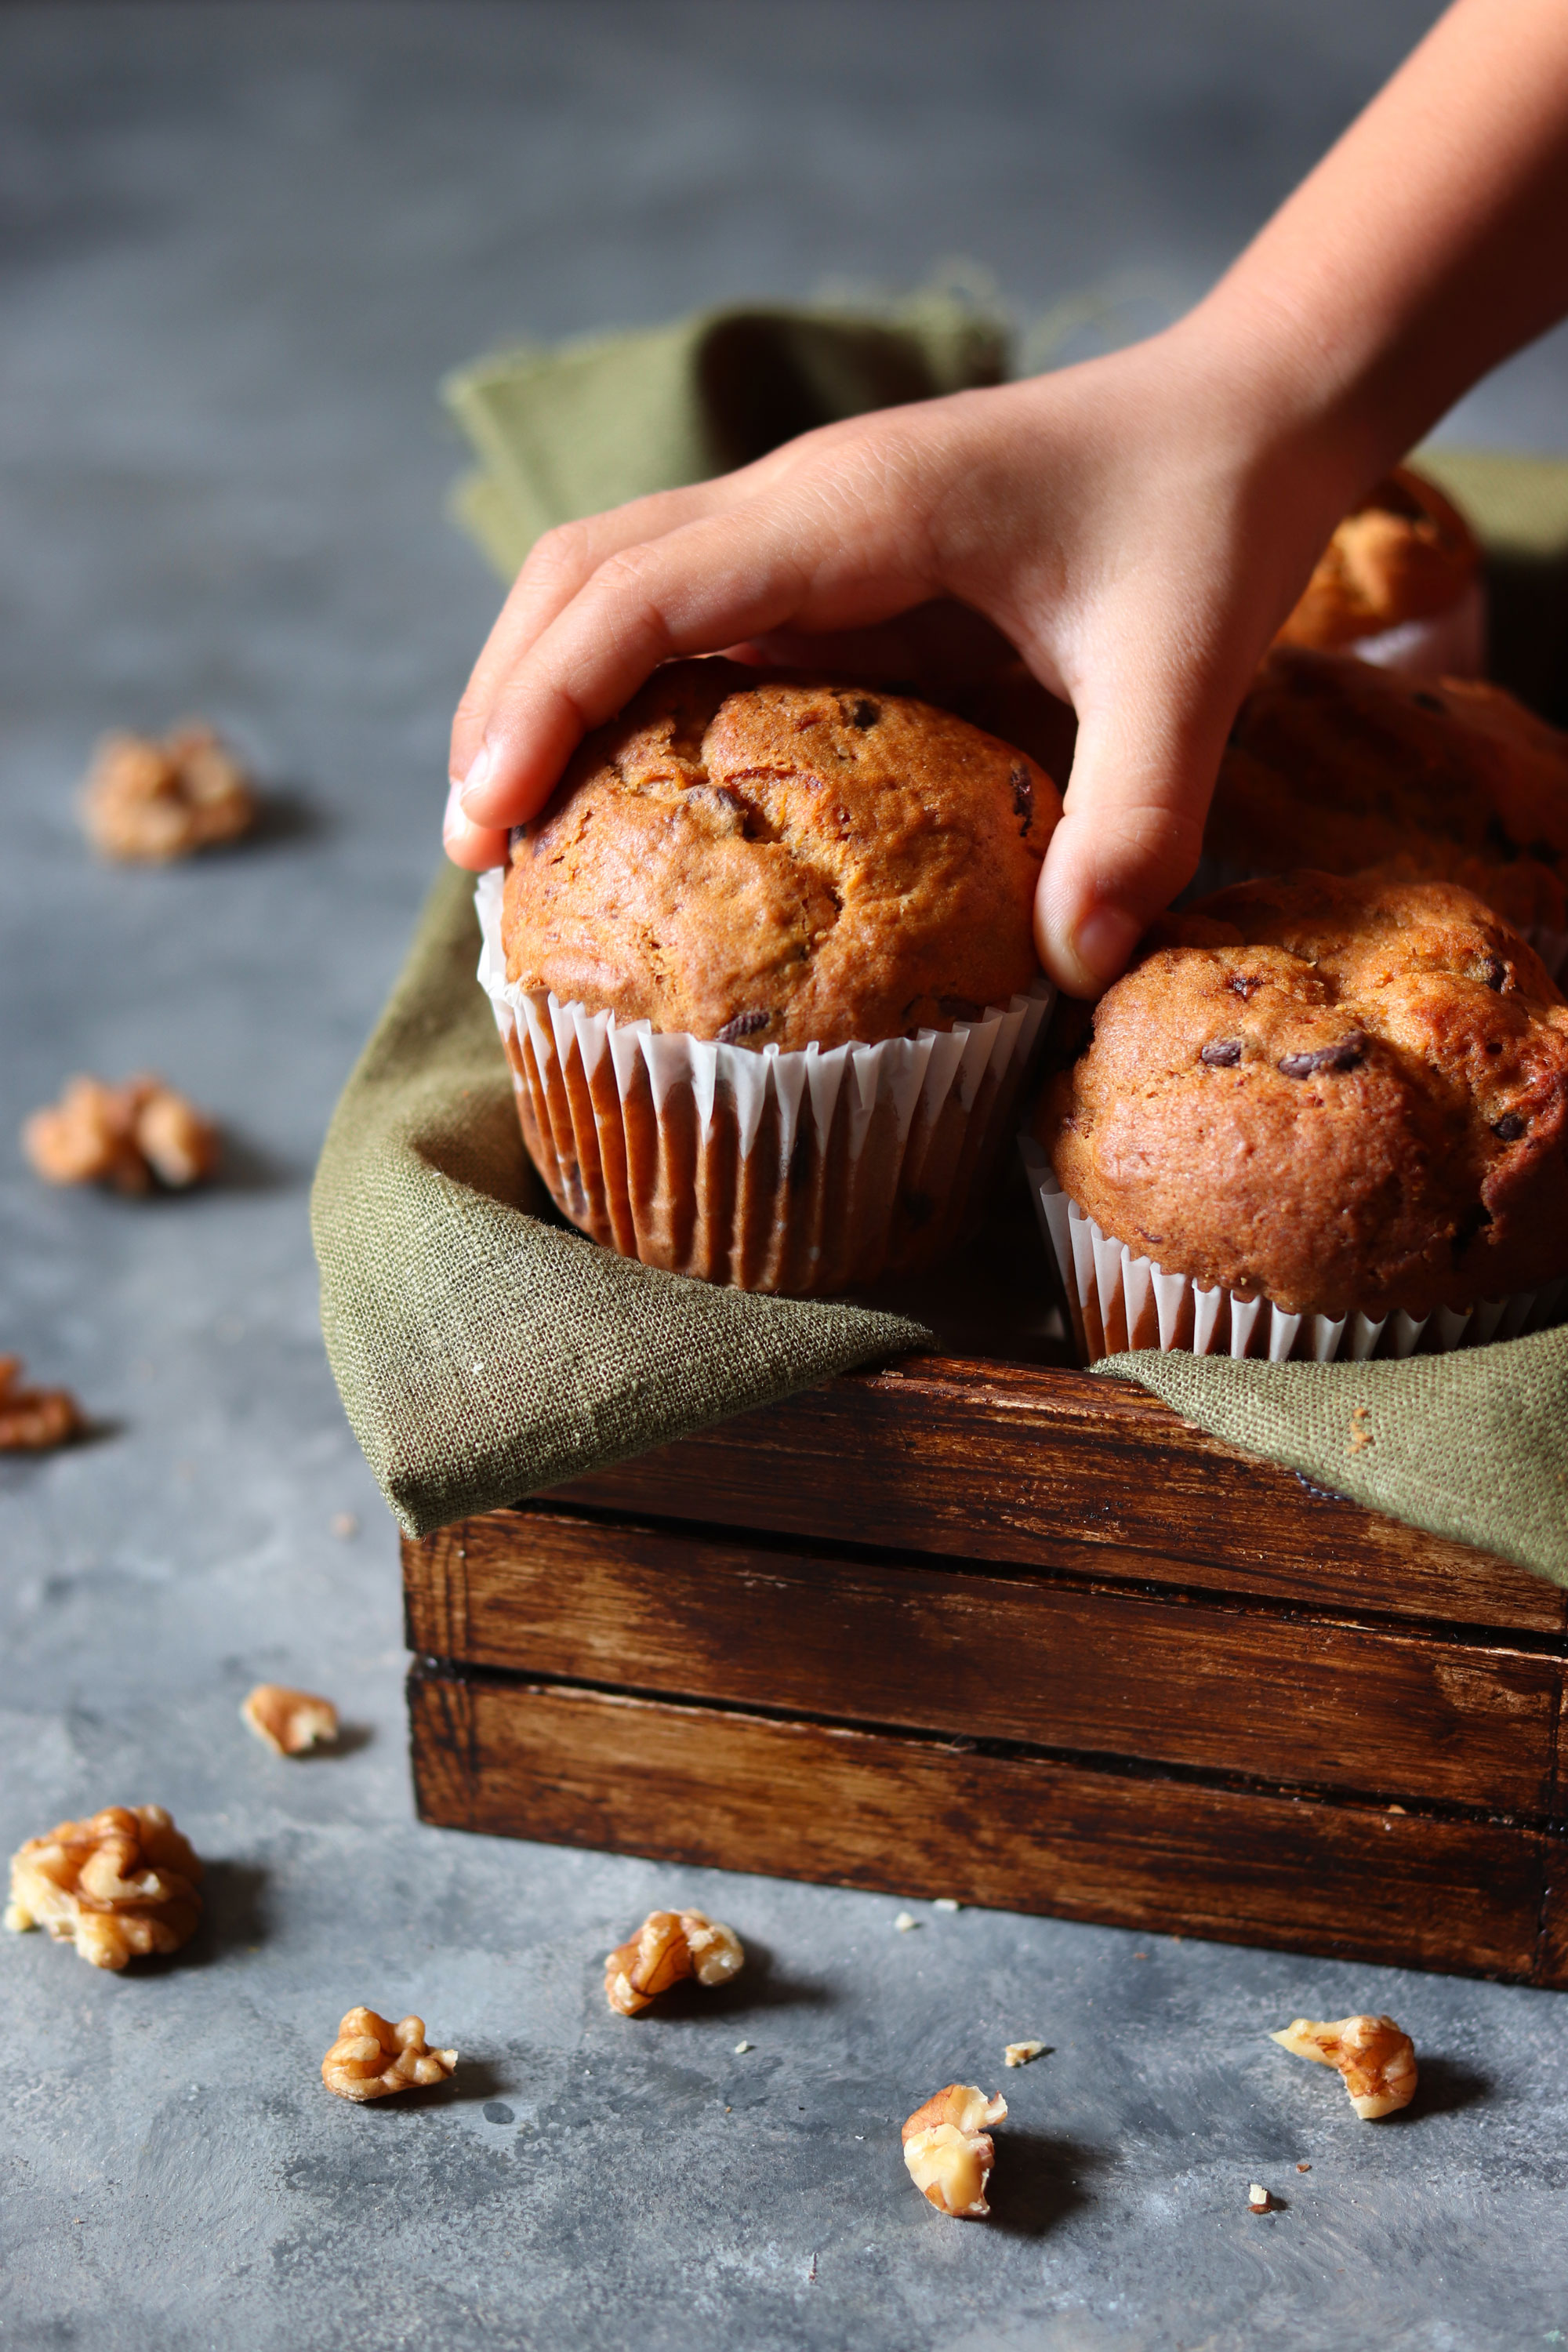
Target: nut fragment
{"type": "Point", "coordinates": [1376, 2059]}
{"type": "Point", "coordinates": [32, 1419]}
{"type": "Point", "coordinates": [1018, 2054]}
{"type": "Point", "coordinates": [123, 1135]}
{"type": "Point", "coordinates": [291, 1721]}
{"type": "Point", "coordinates": [150, 802]}
{"type": "Point", "coordinates": [120, 1884]}
{"type": "Point", "coordinates": [670, 1945]}
{"type": "Point", "coordinates": [372, 2059]}
{"type": "Point", "coordinates": [1259, 2199]}
{"type": "Point", "coordinates": [949, 2150]}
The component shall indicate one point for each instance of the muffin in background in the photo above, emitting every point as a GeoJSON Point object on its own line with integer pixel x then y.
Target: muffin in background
{"type": "Point", "coordinates": [1334, 764]}
{"type": "Point", "coordinates": [1317, 1116]}
{"type": "Point", "coordinates": [765, 971]}
{"type": "Point", "coordinates": [1399, 585]}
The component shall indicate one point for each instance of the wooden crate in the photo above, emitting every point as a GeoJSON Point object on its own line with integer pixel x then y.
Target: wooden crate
{"type": "Point", "coordinates": [1002, 1631]}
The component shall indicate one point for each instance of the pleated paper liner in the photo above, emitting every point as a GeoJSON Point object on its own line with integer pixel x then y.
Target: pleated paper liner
{"type": "Point", "coordinates": [799, 1173]}
{"type": "Point", "coordinates": [1451, 644]}
{"type": "Point", "coordinates": [1120, 1300]}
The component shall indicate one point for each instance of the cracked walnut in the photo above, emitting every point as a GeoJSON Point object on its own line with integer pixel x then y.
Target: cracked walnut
{"type": "Point", "coordinates": [146, 802]}
{"type": "Point", "coordinates": [670, 1945]}
{"type": "Point", "coordinates": [118, 1886]}
{"type": "Point", "coordinates": [373, 2059]}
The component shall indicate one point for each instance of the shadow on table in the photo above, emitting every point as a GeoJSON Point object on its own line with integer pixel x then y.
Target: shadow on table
{"type": "Point", "coordinates": [1444, 2087]}
{"type": "Point", "coordinates": [1040, 2180]}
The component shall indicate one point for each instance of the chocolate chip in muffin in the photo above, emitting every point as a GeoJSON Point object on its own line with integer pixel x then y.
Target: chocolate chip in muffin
{"type": "Point", "coordinates": [1494, 971]}
{"type": "Point", "coordinates": [1509, 1127]}
{"type": "Point", "coordinates": [1223, 1054]}
{"type": "Point", "coordinates": [743, 1024]}
{"type": "Point", "coordinates": [1023, 798]}
{"type": "Point", "coordinates": [1348, 1055]}
{"type": "Point", "coordinates": [1243, 984]}
{"type": "Point", "coordinates": [863, 712]}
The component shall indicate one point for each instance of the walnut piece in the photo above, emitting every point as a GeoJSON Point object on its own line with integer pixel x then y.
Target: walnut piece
{"type": "Point", "coordinates": [291, 1721]}
{"type": "Point", "coordinates": [949, 2150]}
{"type": "Point", "coordinates": [670, 1945]}
{"type": "Point", "coordinates": [119, 1885]}
{"type": "Point", "coordinates": [1019, 2053]}
{"type": "Point", "coordinates": [126, 1135]}
{"type": "Point", "coordinates": [32, 1419]}
{"type": "Point", "coordinates": [148, 801]}
{"type": "Point", "coordinates": [372, 2059]}
{"type": "Point", "coordinates": [1376, 2059]}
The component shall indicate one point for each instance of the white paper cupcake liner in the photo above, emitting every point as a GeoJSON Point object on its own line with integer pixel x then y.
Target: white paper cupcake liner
{"type": "Point", "coordinates": [797, 1172]}
{"type": "Point", "coordinates": [1451, 644]}
{"type": "Point", "coordinates": [1119, 1300]}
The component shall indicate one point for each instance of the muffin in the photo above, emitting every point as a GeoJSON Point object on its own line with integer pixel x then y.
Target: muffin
{"type": "Point", "coordinates": [1399, 584]}
{"type": "Point", "coordinates": [766, 973]}
{"type": "Point", "coordinates": [1345, 1100]}
{"type": "Point", "coordinates": [1335, 764]}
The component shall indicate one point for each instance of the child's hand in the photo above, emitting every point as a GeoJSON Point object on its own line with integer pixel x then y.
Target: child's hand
{"type": "Point", "coordinates": [1126, 525]}
{"type": "Point", "coordinates": [1137, 527]}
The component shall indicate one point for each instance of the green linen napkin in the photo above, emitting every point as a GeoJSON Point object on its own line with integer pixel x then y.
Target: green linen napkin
{"type": "Point", "coordinates": [485, 1352]}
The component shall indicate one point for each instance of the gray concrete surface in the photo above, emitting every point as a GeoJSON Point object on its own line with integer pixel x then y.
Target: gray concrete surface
{"type": "Point", "coordinates": [240, 244]}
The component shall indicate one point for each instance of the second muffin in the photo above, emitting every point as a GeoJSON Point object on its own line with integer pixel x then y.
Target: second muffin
{"type": "Point", "coordinates": [1339, 1098]}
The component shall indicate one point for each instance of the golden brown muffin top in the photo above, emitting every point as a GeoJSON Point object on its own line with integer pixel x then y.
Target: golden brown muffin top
{"type": "Point", "coordinates": [765, 861]}
{"type": "Point", "coordinates": [1341, 1095]}
{"type": "Point", "coordinates": [1405, 554]}
{"type": "Point", "coordinates": [1336, 764]}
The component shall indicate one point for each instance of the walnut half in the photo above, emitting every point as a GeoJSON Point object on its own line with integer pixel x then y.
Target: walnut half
{"type": "Point", "coordinates": [117, 1887]}
{"type": "Point", "coordinates": [32, 1419]}
{"type": "Point", "coordinates": [146, 802]}
{"type": "Point", "coordinates": [1376, 2057]}
{"type": "Point", "coordinates": [670, 1945]}
{"type": "Point", "coordinates": [949, 2150]}
{"type": "Point", "coordinates": [127, 1135]}
{"type": "Point", "coordinates": [290, 1721]}
{"type": "Point", "coordinates": [372, 2059]}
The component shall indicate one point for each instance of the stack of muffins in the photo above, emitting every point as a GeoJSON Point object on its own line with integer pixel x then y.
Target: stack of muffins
{"type": "Point", "coordinates": [1325, 1114]}
{"type": "Point", "coordinates": [763, 968]}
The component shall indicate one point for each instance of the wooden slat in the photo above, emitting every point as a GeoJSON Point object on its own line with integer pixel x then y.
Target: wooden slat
{"type": "Point", "coordinates": [919, 1645]}
{"type": "Point", "coordinates": [1052, 1468]}
{"type": "Point", "coordinates": [694, 1785]}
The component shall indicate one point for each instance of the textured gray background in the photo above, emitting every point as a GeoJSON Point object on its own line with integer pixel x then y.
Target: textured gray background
{"type": "Point", "coordinates": [240, 243]}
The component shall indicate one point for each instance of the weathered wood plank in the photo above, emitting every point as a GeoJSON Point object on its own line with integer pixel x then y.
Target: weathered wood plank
{"type": "Point", "coordinates": [1051, 1468]}
{"type": "Point", "coordinates": [1051, 1662]}
{"type": "Point", "coordinates": [698, 1786]}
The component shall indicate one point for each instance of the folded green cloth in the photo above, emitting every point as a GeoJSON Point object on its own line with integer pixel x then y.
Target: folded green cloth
{"type": "Point", "coordinates": [484, 1351]}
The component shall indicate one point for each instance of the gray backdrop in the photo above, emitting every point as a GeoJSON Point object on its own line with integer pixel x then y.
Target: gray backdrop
{"type": "Point", "coordinates": [240, 244]}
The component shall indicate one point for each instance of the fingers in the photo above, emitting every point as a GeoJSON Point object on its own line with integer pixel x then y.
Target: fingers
{"type": "Point", "coordinates": [821, 555]}
{"type": "Point", "coordinates": [1132, 823]}
{"type": "Point", "coordinates": [474, 846]}
{"type": "Point", "coordinates": [556, 567]}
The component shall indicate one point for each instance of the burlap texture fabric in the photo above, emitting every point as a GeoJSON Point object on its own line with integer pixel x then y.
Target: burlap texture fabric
{"type": "Point", "coordinates": [485, 1352]}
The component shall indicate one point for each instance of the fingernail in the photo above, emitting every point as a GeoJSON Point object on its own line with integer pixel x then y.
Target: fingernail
{"type": "Point", "coordinates": [1104, 940]}
{"type": "Point", "coordinates": [479, 773]}
{"type": "Point", "coordinates": [453, 820]}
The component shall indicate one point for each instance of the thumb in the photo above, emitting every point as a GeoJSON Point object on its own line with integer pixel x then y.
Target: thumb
{"type": "Point", "coordinates": [1132, 827]}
